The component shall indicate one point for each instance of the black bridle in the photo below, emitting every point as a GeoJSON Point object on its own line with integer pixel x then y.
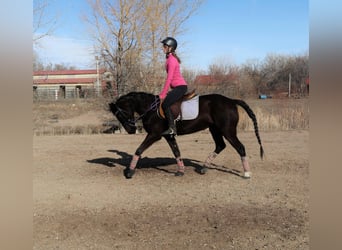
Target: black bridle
{"type": "Point", "coordinates": [126, 120]}
{"type": "Point", "coordinates": [131, 122]}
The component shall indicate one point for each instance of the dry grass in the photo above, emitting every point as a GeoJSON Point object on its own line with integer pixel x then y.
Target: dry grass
{"type": "Point", "coordinates": [272, 115]}
{"type": "Point", "coordinates": [70, 130]}
{"type": "Point", "coordinates": [46, 116]}
{"type": "Point", "coordinates": [277, 114]}
{"type": "Point", "coordinates": [67, 108]}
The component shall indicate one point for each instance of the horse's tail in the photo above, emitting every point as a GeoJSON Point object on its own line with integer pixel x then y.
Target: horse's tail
{"type": "Point", "coordinates": [252, 116]}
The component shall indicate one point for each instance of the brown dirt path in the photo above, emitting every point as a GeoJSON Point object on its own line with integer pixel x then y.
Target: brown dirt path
{"type": "Point", "coordinates": [83, 201]}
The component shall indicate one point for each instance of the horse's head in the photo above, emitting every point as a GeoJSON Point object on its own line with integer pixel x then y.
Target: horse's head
{"type": "Point", "coordinates": [125, 114]}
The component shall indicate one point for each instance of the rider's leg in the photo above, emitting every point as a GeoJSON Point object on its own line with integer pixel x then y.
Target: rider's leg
{"type": "Point", "coordinates": [172, 126]}
{"type": "Point", "coordinates": [173, 96]}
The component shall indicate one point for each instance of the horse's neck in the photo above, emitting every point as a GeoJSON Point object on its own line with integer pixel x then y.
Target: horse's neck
{"type": "Point", "coordinates": [144, 103]}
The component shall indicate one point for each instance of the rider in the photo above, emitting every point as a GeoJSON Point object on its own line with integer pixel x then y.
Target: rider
{"type": "Point", "coordinates": [174, 80]}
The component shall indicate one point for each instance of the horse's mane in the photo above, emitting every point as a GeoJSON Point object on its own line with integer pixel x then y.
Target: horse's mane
{"type": "Point", "coordinates": [135, 95]}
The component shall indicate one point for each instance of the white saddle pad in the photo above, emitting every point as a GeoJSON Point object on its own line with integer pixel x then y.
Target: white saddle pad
{"type": "Point", "coordinates": [190, 108]}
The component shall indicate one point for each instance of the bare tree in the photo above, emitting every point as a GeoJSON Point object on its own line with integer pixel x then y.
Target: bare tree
{"type": "Point", "coordinates": [43, 24]}
{"type": "Point", "coordinates": [252, 78]}
{"type": "Point", "coordinates": [224, 75]}
{"type": "Point", "coordinates": [128, 34]}
{"type": "Point", "coordinates": [277, 68]}
{"type": "Point", "coordinates": [114, 27]}
{"type": "Point", "coordinates": [272, 74]}
{"type": "Point", "coordinates": [37, 63]}
{"type": "Point", "coordinates": [163, 18]}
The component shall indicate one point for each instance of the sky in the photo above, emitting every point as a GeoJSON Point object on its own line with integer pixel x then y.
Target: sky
{"type": "Point", "coordinates": [234, 32]}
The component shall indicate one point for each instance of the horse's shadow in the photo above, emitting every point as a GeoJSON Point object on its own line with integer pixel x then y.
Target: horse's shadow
{"type": "Point", "coordinates": [158, 163]}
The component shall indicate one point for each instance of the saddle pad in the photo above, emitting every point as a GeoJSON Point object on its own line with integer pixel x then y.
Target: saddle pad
{"type": "Point", "coordinates": [189, 109]}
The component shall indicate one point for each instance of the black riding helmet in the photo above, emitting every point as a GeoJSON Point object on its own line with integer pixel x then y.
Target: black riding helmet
{"type": "Point", "coordinates": [171, 42]}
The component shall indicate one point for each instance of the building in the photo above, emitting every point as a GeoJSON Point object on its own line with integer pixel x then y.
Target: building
{"type": "Point", "coordinates": [63, 84]}
{"type": "Point", "coordinates": [224, 84]}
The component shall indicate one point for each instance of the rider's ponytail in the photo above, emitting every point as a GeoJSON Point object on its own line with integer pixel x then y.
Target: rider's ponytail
{"type": "Point", "coordinates": [175, 55]}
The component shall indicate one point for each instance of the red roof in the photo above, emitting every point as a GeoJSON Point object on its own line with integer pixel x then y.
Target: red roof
{"type": "Point", "coordinates": [64, 81]}
{"type": "Point", "coordinates": [67, 72]}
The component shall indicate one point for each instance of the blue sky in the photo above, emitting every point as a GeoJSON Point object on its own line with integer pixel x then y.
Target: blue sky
{"type": "Point", "coordinates": [229, 31]}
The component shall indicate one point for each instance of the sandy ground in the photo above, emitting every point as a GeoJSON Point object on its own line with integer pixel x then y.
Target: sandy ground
{"type": "Point", "coordinates": [83, 201]}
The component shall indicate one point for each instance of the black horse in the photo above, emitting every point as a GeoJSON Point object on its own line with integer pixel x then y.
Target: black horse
{"type": "Point", "coordinates": [216, 112]}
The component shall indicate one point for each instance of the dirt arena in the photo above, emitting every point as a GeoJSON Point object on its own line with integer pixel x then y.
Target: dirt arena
{"type": "Point", "coordinates": [83, 201]}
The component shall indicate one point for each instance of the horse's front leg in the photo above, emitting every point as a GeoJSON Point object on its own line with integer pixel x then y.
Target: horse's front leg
{"type": "Point", "coordinates": [171, 140]}
{"type": "Point", "coordinates": [148, 141]}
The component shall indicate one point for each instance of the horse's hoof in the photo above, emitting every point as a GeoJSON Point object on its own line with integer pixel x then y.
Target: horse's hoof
{"type": "Point", "coordinates": [178, 173]}
{"type": "Point", "coordinates": [129, 173]}
{"type": "Point", "coordinates": [246, 175]}
{"type": "Point", "coordinates": [202, 170]}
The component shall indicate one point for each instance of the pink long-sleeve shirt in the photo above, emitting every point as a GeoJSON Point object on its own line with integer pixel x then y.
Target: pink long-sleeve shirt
{"type": "Point", "coordinates": [174, 77]}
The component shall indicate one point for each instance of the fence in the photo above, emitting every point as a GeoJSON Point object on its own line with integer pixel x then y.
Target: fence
{"type": "Point", "coordinates": [60, 93]}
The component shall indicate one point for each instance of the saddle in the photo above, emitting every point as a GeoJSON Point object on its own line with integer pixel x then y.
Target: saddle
{"type": "Point", "coordinates": [176, 107]}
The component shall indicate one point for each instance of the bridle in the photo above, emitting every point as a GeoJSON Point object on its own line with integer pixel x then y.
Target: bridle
{"type": "Point", "coordinates": [126, 121]}
{"type": "Point", "coordinates": [131, 122]}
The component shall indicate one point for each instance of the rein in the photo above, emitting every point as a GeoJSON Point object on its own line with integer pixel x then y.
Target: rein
{"type": "Point", "coordinates": [154, 106]}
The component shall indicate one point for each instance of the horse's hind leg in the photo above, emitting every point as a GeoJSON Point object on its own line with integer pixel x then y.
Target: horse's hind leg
{"type": "Point", "coordinates": [240, 148]}
{"type": "Point", "coordinates": [219, 146]}
{"type": "Point", "coordinates": [171, 140]}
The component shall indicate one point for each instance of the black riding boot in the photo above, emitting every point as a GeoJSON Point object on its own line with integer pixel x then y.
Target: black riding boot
{"type": "Point", "coordinates": [172, 126]}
